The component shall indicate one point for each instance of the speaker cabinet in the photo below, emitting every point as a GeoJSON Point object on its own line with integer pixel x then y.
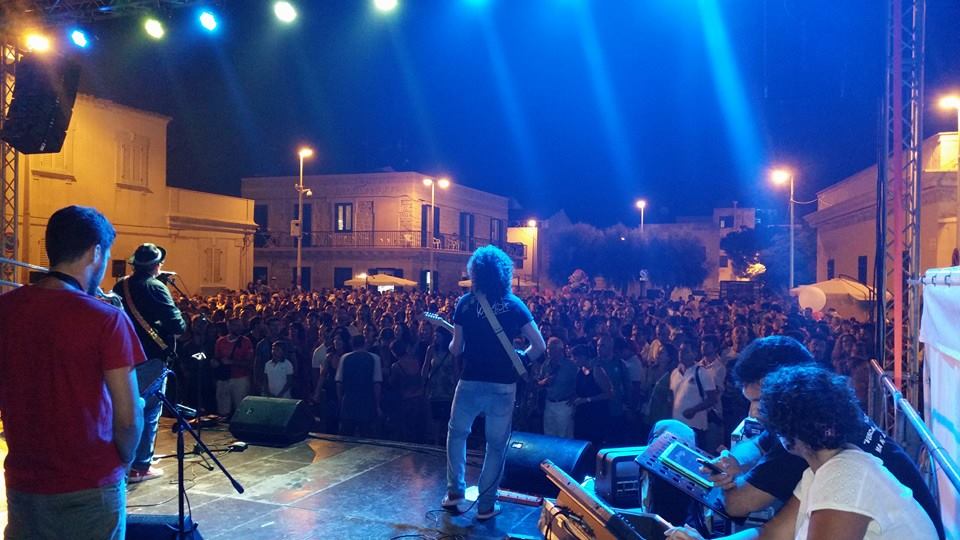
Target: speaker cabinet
{"type": "Point", "coordinates": [526, 451]}
{"type": "Point", "coordinates": [271, 421]}
{"type": "Point", "coordinates": [44, 92]}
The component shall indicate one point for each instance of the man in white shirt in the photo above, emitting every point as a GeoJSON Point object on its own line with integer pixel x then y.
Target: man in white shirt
{"type": "Point", "coordinates": [694, 390]}
{"type": "Point", "coordinates": [279, 373]}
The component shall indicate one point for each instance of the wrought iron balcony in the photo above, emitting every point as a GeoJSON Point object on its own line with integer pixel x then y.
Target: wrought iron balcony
{"type": "Point", "coordinates": [381, 240]}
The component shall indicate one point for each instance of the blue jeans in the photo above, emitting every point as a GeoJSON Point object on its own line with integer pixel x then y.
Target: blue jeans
{"type": "Point", "coordinates": [92, 514]}
{"type": "Point", "coordinates": [495, 402]}
{"type": "Point", "coordinates": [148, 372]}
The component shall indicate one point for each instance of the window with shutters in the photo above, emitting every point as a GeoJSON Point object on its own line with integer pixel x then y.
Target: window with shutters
{"type": "Point", "coordinates": [213, 265]}
{"type": "Point", "coordinates": [133, 153]}
{"type": "Point", "coordinates": [59, 165]}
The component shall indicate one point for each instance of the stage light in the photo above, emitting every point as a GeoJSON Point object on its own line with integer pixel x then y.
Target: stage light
{"type": "Point", "coordinates": [531, 223]}
{"type": "Point", "coordinates": [385, 5]}
{"type": "Point", "coordinates": [38, 43]}
{"type": "Point", "coordinates": [285, 11]}
{"type": "Point", "coordinates": [154, 28]}
{"type": "Point", "coordinates": [79, 38]}
{"type": "Point", "coordinates": [208, 20]}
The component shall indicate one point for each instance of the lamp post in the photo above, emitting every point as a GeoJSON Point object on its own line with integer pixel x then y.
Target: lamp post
{"type": "Point", "coordinates": [535, 260]}
{"type": "Point", "coordinates": [444, 183]}
{"type": "Point", "coordinates": [781, 177]}
{"type": "Point", "coordinates": [302, 153]}
{"type": "Point", "coordinates": [641, 205]}
{"type": "Point", "coordinates": [953, 102]}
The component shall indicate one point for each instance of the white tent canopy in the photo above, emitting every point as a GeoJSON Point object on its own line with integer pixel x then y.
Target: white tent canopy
{"type": "Point", "coordinates": [517, 282]}
{"type": "Point", "coordinates": [379, 280]}
{"type": "Point", "coordinates": [846, 295]}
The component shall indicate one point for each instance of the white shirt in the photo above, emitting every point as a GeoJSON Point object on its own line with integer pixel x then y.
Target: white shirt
{"type": "Point", "coordinates": [277, 373]}
{"type": "Point", "coordinates": [319, 356]}
{"type": "Point", "coordinates": [857, 482]}
{"type": "Point", "coordinates": [686, 394]}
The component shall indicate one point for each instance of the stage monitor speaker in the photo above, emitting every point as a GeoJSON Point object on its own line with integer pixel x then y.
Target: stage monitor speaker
{"type": "Point", "coordinates": [526, 451]}
{"type": "Point", "coordinates": [44, 92]}
{"type": "Point", "coordinates": [157, 527]}
{"type": "Point", "coordinates": [271, 421]}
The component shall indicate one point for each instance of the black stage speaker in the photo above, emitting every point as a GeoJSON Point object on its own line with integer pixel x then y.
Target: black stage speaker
{"type": "Point", "coordinates": [525, 451]}
{"type": "Point", "coordinates": [43, 95]}
{"type": "Point", "coordinates": [271, 421]}
{"type": "Point", "coordinates": [157, 527]}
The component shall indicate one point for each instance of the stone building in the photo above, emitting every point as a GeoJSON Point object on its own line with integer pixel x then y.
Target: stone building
{"type": "Point", "coordinates": [846, 216]}
{"type": "Point", "coordinates": [372, 223]}
{"type": "Point", "coordinates": [114, 158]}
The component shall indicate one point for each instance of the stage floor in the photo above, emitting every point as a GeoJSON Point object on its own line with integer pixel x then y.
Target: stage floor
{"type": "Point", "coordinates": [320, 489]}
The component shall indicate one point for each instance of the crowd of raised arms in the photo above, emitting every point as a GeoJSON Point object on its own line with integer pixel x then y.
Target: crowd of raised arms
{"type": "Point", "coordinates": [629, 344]}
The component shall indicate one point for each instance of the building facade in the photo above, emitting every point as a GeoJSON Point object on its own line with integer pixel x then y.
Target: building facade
{"type": "Point", "coordinates": [845, 219]}
{"type": "Point", "coordinates": [372, 223]}
{"type": "Point", "coordinates": [114, 158]}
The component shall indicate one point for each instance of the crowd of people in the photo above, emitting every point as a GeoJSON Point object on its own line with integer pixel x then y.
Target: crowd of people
{"type": "Point", "coordinates": [611, 360]}
{"type": "Point", "coordinates": [599, 366]}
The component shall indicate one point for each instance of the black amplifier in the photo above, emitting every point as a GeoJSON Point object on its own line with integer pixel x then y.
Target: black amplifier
{"type": "Point", "coordinates": [618, 476]}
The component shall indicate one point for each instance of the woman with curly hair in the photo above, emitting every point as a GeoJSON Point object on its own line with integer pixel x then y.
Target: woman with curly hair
{"type": "Point", "coordinates": [488, 382]}
{"type": "Point", "coordinates": [846, 493]}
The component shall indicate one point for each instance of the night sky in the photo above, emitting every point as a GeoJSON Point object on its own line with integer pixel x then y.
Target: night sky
{"type": "Point", "coordinates": [574, 104]}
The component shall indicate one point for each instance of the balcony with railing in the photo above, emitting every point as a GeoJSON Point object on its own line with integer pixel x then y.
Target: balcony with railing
{"type": "Point", "coordinates": [270, 240]}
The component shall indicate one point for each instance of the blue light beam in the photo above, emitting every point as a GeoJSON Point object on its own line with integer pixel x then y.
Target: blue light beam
{"type": "Point", "coordinates": [740, 124]}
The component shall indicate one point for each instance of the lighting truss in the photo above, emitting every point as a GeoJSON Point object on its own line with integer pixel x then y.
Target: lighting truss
{"type": "Point", "coordinates": [898, 215]}
{"type": "Point", "coordinates": [52, 13]}
{"type": "Point", "coordinates": [9, 237]}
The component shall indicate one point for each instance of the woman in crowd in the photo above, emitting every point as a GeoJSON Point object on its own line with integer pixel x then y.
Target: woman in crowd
{"type": "Point", "coordinates": [593, 393]}
{"type": "Point", "coordinates": [845, 494]}
{"type": "Point", "coordinates": [441, 374]}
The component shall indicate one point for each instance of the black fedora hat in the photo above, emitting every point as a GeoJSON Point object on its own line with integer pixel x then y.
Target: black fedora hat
{"type": "Point", "coordinates": [147, 254]}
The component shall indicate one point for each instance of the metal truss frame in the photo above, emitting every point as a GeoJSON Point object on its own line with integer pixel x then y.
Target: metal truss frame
{"type": "Point", "coordinates": [61, 12]}
{"type": "Point", "coordinates": [898, 208]}
{"type": "Point", "coordinates": [9, 166]}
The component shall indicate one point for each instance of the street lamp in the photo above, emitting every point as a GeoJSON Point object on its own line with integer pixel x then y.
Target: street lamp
{"type": "Point", "coordinates": [303, 153]}
{"type": "Point", "coordinates": [642, 205]}
{"type": "Point", "coordinates": [953, 102]}
{"type": "Point", "coordinates": [444, 183]}
{"type": "Point", "coordinates": [781, 177]}
{"type": "Point", "coordinates": [535, 260]}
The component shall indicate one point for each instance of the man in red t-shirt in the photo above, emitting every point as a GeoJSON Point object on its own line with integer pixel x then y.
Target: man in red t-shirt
{"type": "Point", "coordinates": [232, 363]}
{"type": "Point", "coordinates": [71, 414]}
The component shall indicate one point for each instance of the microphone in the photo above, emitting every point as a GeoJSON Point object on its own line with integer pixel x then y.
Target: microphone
{"type": "Point", "coordinates": [165, 277]}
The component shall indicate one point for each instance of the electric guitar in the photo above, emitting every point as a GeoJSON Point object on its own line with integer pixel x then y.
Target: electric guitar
{"type": "Point", "coordinates": [520, 360]}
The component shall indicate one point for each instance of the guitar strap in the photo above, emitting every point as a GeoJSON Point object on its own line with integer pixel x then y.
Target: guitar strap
{"type": "Point", "coordinates": [501, 335]}
{"type": "Point", "coordinates": [141, 321]}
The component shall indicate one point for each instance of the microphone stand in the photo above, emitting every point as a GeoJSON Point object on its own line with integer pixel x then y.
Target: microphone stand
{"type": "Point", "coordinates": [185, 526]}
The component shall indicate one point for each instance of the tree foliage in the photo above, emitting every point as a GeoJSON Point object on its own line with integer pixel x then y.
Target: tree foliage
{"type": "Point", "coordinates": [571, 248]}
{"type": "Point", "coordinates": [677, 261]}
{"type": "Point", "coordinates": [619, 253]}
{"type": "Point", "coordinates": [743, 247]}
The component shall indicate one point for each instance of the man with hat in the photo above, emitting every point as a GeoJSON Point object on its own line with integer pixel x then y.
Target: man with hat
{"type": "Point", "coordinates": [158, 321]}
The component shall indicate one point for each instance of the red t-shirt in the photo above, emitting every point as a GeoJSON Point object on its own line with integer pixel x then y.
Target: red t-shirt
{"type": "Point", "coordinates": [241, 359]}
{"type": "Point", "coordinates": [55, 345]}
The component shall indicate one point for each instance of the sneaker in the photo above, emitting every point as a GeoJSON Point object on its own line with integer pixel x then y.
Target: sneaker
{"type": "Point", "coordinates": [135, 476]}
{"type": "Point", "coordinates": [483, 515]}
{"type": "Point", "coordinates": [453, 504]}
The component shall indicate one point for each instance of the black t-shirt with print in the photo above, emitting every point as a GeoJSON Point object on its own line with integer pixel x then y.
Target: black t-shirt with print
{"type": "Point", "coordinates": [779, 471]}
{"type": "Point", "coordinates": [484, 358]}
